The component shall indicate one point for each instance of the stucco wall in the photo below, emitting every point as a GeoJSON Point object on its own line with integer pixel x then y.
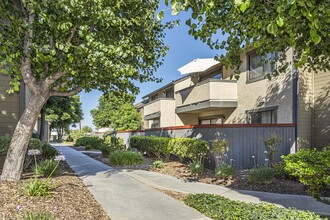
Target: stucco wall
{"type": "Point", "coordinates": [263, 93]}
{"type": "Point", "coordinates": [167, 117]}
{"type": "Point", "coordinates": [9, 108]}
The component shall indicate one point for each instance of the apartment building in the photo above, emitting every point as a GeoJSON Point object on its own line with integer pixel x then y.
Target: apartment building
{"type": "Point", "coordinates": [12, 107]}
{"type": "Point", "coordinates": [212, 97]}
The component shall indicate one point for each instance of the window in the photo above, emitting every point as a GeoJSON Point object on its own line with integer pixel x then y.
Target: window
{"type": "Point", "coordinates": [169, 93]}
{"type": "Point", "coordinates": [208, 121]}
{"type": "Point", "coordinates": [155, 123]}
{"type": "Point", "coordinates": [214, 75]}
{"type": "Point", "coordinates": [257, 69]}
{"type": "Point", "coordinates": [263, 117]}
{"type": "Point", "coordinates": [154, 97]}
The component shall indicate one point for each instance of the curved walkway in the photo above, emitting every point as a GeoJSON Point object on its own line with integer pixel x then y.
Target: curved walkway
{"type": "Point", "coordinates": [130, 194]}
{"type": "Point", "coordinates": [124, 197]}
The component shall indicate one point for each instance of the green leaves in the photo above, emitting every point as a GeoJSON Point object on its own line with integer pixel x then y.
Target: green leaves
{"type": "Point", "coordinates": [272, 28]}
{"type": "Point", "coordinates": [265, 26]}
{"type": "Point", "coordinates": [160, 15]}
{"type": "Point", "coordinates": [315, 37]}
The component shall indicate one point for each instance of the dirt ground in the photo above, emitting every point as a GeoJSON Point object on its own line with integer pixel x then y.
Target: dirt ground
{"type": "Point", "coordinates": [70, 200]}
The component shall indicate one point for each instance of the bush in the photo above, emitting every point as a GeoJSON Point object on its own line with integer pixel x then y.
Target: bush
{"type": "Point", "coordinates": [312, 168]}
{"type": "Point", "coordinates": [261, 175]}
{"type": "Point", "coordinates": [196, 167]}
{"type": "Point", "coordinates": [272, 145]}
{"type": "Point", "coordinates": [48, 152]}
{"type": "Point", "coordinates": [47, 168]}
{"type": "Point", "coordinates": [42, 215]}
{"type": "Point", "coordinates": [35, 143]}
{"type": "Point", "coordinates": [189, 148]}
{"type": "Point", "coordinates": [4, 144]}
{"type": "Point", "coordinates": [106, 149]}
{"type": "Point", "coordinates": [218, 207]}
{"type": "Point", "coordinates": [280, 172]}
{"type": "Point", "coordinates": [181, 147]}
{"type": "Point", "coordinates": [75, 134]}
{"type": "Point", "coordinates": [89, 142]}
{"type": "Point", "coordinates": [158, 164]}
{"type": "Point", "coordinates": [224, 171]}
{"type": "Point", "coordinates": [125, 157]}
{"type": "Point", "coordinates": [36, 187]}
{"type": "Point", "coordinates": [114, 142]}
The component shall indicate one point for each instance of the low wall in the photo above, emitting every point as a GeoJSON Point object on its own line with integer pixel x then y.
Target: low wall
{"type": "Point", "coordinates": [245, 140]}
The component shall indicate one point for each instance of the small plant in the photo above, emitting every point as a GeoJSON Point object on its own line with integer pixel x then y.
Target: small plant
{"type": "Point", "coordinates": [37, 187]}
{"type": "Point", "coordinates": [35, 143]}
{"type": "Point", "coordinates": [41, 215]}
{"type": "Point", "coordinates": [4, 144]}
{"type": "Point", "coordinates": [158, 164]}
{"type": "Point", "coordinates": [220, 147]}
{"type": "Point", "coordinates": [196, 167]}
{"type": "Point", "coordinates": [224, 171]}
{"type": "Point", "coordinates": [125, 157]}
{"type": "Point", "coordinates": [261, 175]}
{"type": "Point", "coordinates": [311, 167]}
{"type": "Point", "coordinates": [114, 142]}
{"type": "Point", "coordinates": [106, 149]}
{"type": "Point", "coordinates": [47, 168]}
{"type": "Point", "coordinates": [48, 152]}
{"type": "Point", "coordinates": [272, 145]}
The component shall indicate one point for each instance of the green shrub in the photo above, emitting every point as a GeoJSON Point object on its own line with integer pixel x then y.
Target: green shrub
{"type": "Point", "coordinates": [196, 167]}
{"type": "Point", "coordinates": [272, 145]}
{"type": "Point", "coordinates": [4, 144]}
{"type": "Point", "coordinates": [224, 171]}
{"type": "Point", "coordinates": [158, 164]}
{"type": "Point", "coordinates": [114, 142]}
{"type": "Point", "coordinates": [75, 134]}
{"type": "Point", "coordinates": [106, 149]}
{"type": "Point", "coordinates": [218, 207]}
{"type": "Point", "coordinates": [47, 168]}
{"type": "Point", "coordinates": [41, 215]}
{"type": "Point", "coordinates": [125, 157]}
{"type": "Point", "coordinates": [312, 168]}
{"type": "Point", "coordinates": [48, 152]}
{"type": "Point", "coordinates": [280, 172]}
{"type": "Point", "coordinates": [157, 146]}
{"type": "Point", "coordinates": [35, 143]}
{"type": "Point", "coordinates": [36, 187]}
{"type": "Point", "coordinates": [261, 175]}
{"type": "Point", "coordinates": [189, 148]}
{"type": "Point", "coordinates": [89, 142]}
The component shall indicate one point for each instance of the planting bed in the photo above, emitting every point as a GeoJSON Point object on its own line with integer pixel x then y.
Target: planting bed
{"type": "Point", "coordinates": [70, 200]}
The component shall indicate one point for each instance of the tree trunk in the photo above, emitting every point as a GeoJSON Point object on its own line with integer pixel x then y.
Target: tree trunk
{"type": "Point", "coordinates": [42, 125]}
{"type": "Point", "coordinates": [13, 166]}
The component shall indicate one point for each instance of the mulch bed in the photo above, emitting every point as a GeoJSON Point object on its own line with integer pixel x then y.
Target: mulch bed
{"type": "Point", "coordinates": [71, 198]}
{"type": "Point", "coordinates": [238, 181]}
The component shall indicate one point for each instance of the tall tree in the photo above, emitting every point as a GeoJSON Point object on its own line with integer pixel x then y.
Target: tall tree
{"type": "Point", "coordinates": [61, 112]}
{"type": "Point", "coordinates": [267, 25]}
{"type": "Point", "coordinates": [60, 47]}
{"type": "Point", "coordinates": [117, 112]}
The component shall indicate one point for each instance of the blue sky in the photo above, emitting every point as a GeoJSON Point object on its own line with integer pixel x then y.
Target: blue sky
{"type": "Point", "coordinates": [183, 49]}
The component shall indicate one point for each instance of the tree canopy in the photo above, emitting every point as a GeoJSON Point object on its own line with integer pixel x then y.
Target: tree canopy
{"type": "Point", "coordinates": [267, 26]}
{"type": "Point", "coordinates": [86, 129]}
{"type": "Point", "coordinates": [116, 112]}
{"type": "Point", "coordinates": [58, 48]}
{"type": "Point", "coordinates": [61, 112]}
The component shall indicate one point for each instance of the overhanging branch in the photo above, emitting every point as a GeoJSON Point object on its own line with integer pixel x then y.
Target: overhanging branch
{"type": "Point", "coordinates": [72, 92]}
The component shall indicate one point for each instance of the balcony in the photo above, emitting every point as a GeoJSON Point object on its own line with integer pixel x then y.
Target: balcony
{"type": "Point", "coordinates": [209, 94]}
{"type": "Point", "coordinates": [154, 108]}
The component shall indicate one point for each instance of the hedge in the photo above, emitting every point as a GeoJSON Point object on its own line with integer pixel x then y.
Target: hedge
{"type": "Point", "coordinates": [89, 142]}
{"type": "Point", "coordinates": [164, 146]}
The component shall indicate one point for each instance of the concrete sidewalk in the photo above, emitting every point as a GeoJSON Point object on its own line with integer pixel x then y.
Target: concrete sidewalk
{"type": "Point", "coordinates": [122, 196]}
{"type": "Point", "coordinates": [162, 181]}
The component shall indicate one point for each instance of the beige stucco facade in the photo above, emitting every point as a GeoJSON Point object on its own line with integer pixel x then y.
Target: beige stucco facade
{"type": "Point", "coordinates": [296, 96]}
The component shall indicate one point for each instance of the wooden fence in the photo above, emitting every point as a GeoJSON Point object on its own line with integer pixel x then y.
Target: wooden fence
{"type": "Point", "coordinates": [245, 140]}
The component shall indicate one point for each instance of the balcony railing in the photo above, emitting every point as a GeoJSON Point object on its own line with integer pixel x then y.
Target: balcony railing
{"type": "Point", "coordinates": [213, 92]}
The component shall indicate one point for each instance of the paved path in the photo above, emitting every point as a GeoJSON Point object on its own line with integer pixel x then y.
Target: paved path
{"type": "Point", "coordinates": [122, 196]}
{"type": "Point", "coordinates": [129, 194]}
